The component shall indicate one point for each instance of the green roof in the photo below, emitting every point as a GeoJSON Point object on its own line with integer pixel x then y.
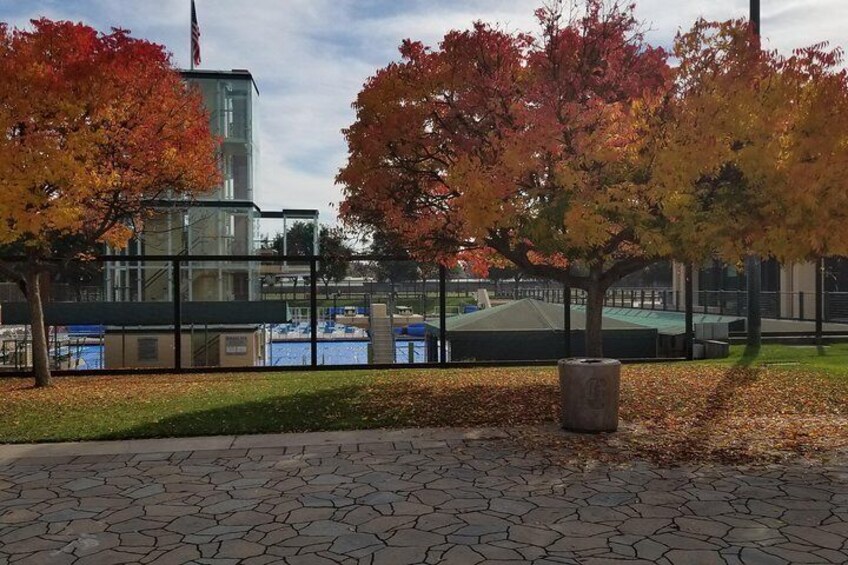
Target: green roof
{"type": "Point", "coordinates": [527, 314]}
{"type": "Point", "coordinates": [668, 323]}
{"type": "Point", "coordinates": [535, 315]}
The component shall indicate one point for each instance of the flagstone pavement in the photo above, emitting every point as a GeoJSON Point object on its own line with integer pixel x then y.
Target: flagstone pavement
{"type": "Point", "coordinates": [394, 498]}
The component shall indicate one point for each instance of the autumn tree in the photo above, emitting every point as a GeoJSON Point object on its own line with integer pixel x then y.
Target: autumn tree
{"type": "Point", "coordinates": [755, 155]}
{"type": "Point", "coordinates": [96, 126]}
{"type": "Point", "coordinates": [582, 156]}
{"type": "Point", "coordinates": [533, 149]}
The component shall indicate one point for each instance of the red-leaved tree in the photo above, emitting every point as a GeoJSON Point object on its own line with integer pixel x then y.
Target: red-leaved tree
{"type": "Point", "coordinates": [582, 156]}
{"type": "Point", "coordinates": [535, 150]}
{"type": "Point", "coordinates": [95, 126]}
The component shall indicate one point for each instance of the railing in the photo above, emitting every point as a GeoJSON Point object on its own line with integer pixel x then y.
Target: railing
{"type": "Point", "coordinates": [774, 305]}
{"type": "Point", "coordinates": [64, 292]}
{"type": "Point", "coordinates": [441, 295]}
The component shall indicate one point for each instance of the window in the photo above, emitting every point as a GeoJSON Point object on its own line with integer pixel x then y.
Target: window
{"type": "Point", "coordinates": [235, 114]}
{"type": "Point", "coordinates": [236, 176]}
{"type": "Point", "coordinates": [148, 349]}
{"type": "Point", "coordinates": [241, 177]}
{"type": "Point", "coordinates": [235, 345]}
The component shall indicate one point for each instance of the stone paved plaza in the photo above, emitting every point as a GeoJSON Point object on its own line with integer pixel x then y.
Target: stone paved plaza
{"type": "Point", "coordinates": [418, 497]}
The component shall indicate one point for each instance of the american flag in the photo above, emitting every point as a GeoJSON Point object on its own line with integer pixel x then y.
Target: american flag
{"type": "Point", "coordinates": [195, 37]}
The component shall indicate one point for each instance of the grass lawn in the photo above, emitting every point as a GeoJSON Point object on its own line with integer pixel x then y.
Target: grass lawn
{"type": "Point", "coordinates": [831, 359]}
{"type": "Point", "coordinates": [784, 401]}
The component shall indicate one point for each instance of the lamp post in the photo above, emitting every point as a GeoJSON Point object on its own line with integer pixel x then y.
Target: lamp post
{"type": "Point", "coordinates": [753, 264]}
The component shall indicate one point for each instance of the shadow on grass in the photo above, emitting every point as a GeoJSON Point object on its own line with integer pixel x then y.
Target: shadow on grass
{"type": "Point", "coordinates": [328, 409]}
{"type": "Point", "coordinates": [353, 407]}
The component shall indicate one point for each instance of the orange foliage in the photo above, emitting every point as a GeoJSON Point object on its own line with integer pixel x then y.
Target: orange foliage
{"type": "Point", "coordinates": [585, 147]}
{"type": "Point", "coordinates": [757, 148]}
{"type": "Point", "coordinates": [95, 126]}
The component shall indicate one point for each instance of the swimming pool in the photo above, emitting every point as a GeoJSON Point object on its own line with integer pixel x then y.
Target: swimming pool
{"type": "Point", "coordinates": [290, 353]}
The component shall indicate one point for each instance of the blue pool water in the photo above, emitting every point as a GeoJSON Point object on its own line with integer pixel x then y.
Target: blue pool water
{"type": "Point", "coordinates": [292, 353]}
{"type": "Point", "coordinates": [89, 356]}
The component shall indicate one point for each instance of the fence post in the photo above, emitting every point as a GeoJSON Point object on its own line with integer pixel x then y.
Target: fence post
{"type": "Point", "coordinates": [819, 293]}
{"type": "Point", "coordinates": [313, 310]}
{"type": "Point", "coordinates": [178, 316]}
{"type": "Point", "coordinates": [566, 322]}
{"type": "Point", "coordinates": [800, 305]}
{"type": "Point", "coordinates": [443, 306]}
{"type": "Point", "coordinates": [690, 334]}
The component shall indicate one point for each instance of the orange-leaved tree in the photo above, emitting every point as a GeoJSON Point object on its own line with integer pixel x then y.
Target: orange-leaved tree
{"type": "Point", "coordinates": [536, 150]}
{"type": "Point", "coordinates": [756, 150]}
{"type": "Point", "coordinates": [95, 126]}
{"type": "Point", "coordinates": [581, 156]}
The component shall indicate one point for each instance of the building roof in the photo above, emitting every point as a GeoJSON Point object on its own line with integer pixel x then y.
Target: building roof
{"type": "Point", "coordinates": [665, 322]}
{"type": "Point", "coordinates": [209, 73]}
{"type": "Point", "coordinates": [527, 314]}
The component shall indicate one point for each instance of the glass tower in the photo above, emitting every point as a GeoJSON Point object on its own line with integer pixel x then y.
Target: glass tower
{"type": "Point", "coordinates": [220, 222]}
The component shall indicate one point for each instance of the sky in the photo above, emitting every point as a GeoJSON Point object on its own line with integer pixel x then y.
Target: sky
{"type": "Point", "coordinates": [310, 58]}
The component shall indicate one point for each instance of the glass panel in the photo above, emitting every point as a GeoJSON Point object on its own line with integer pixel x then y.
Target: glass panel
{"type": "Point", "coordinates": [236, 114]}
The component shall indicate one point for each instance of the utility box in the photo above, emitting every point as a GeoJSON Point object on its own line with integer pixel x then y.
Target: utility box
{"type": "Point", "coordinates": [589, 389]}
{"type": "Point", "coordinates": [712, 330]}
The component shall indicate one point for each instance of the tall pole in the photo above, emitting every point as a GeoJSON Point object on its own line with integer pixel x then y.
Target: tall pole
{"type": "Point", "coordinates": [178, 315]}
{"type": "Point", "coordinates": [819, 299]}
{"type": "Point", "coordinates": [689, 298]}
{"type": "Point", "coordinates": [753, 264]}
{"type": "Point", "coordinates": [755, 16]}
{"type": "Point", "coordinates": [313, 311]}
{"type": "Point", "coordinates": [443, 316]}
{"type": "Point", "coordinates": [566, 322]}
{"type": "Point", "coordinates": [191, 36]}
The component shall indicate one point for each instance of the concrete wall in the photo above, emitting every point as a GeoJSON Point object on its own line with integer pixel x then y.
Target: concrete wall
{"type": "Point", "coordinates": [794, 279]}
{"type": "Point", "coordinates": [234, 349]}
{"type": "Point", "coordinates": [230, 354]}
{"type": "Point", "coordinates": [121, 350]}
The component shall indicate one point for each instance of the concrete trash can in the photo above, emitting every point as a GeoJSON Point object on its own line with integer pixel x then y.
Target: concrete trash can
{"type": "Point", "coordinates": [589, 390]}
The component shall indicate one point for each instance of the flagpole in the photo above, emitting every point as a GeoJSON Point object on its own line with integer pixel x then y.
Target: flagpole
{"type": "Point", "coordinates": [190, 35]}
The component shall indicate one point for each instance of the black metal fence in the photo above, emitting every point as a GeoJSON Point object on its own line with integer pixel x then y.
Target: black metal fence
{"type": "Point", "coordinates": [798, 306]}
{"type": "Point", "coordinates": [261, 312]}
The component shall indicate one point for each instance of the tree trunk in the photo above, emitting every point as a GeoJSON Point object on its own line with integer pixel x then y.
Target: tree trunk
{"type": "Point", "coordinates": [594, 320]}
{"type": "Point", "coordinates": [40, 355]}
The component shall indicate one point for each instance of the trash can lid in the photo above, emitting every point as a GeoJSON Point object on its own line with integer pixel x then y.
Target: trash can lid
{"type": "Point", "coordinates": [589, 361]}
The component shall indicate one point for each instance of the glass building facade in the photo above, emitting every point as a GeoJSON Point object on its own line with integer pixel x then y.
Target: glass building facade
{"type": "Point", "coordinates": [220, 222]}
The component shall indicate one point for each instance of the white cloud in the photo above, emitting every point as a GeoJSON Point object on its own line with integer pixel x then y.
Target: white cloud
{"type": "Point", "coordinates": [311, 57]}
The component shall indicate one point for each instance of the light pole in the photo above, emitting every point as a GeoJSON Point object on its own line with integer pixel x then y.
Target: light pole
{"type": "Point", "coordinates": [753, 264]}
